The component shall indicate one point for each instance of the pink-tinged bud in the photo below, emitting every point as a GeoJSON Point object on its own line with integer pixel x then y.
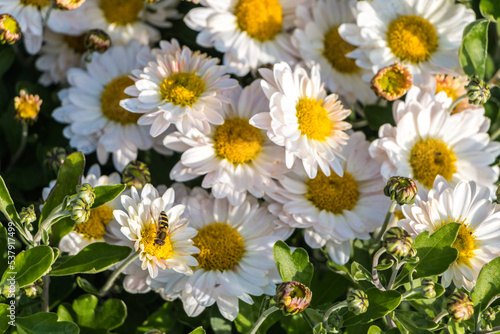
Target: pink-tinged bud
{"type": "Point", "coordinates": [397, 242]}
{"type": "Point", "coordinates": [68, 4]}
{"type": "Point", "coordinates": [392, 82]}
{"type": "Point", "coordinates": [292, 297]}
{"type": "Point", "coordinates": [10, 32]}
{"type": "Point", "coordinates": [460, 306]}
{"type": "Point", "coordinates": [401, 189]}
{"type": "Point", "coordinates": [97, 40]}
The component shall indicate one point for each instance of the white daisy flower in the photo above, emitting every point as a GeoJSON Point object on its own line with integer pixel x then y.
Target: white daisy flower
{"type": "Point", "coordinates": [303, 119]}
{"type": "Point", "coordinates": [30, 15]}
{"type": "Point", "coordinates": [423, 34]}
{"type": "Point", "coordinates": [94, 229]}
{"type": "Point", "coordinates": [336, 209]}
{"type": "Point", "coordinates": [249, 32]}
{"type": "Point", "coordinates": [235, 157]}
{"type": "Point", "coordinates": [235, 259]}
{"type": "Point", "coordinates": [125, 20]}
{"type": "Point", "coordinates": [140, 224]}
{"type": "Point", "coordinates": [428, 141]}
{"type": "Point", "coordinates": [319, 42]}
{"type": "Point", "coordinates": [181, 87]}
{"type": "Point", "coordinates": [478, 240]}
{"type": "Point", "coordinates": [91, 108]}
{"type": "Point", "coordinates": [58, 54]}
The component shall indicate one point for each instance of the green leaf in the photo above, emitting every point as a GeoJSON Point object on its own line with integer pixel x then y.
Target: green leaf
{"type": "Point", "coordinates": [473, 51]}
{"type": "Point", "coordinates": [105, 194]}
{"type": "Point", "coordinates": [360, 273]}
{"type": "Point", "coordinates": [219, 324]}
{"type": "Point", "coordinates": [86, 285]}
{"type": "Point", "coordinates": [378, 115]}
{"type": "Point", "coordinates": [374, 330]}
{"type": "Point", "coordinates": [44, 323]}
{"type": "Point", "coordinates": [110, 315]}
{"type": "Point", "coordinates": [250, 313]}
{"type": "Point", "coordinates": [4, 317]}
{"type": "Point", "coordinates": [7, 205]}
{"type": "Point", "coordinates": [331, 285]}
{"type": "Point", "coordinates": [67, 180]}
{"type": "Point", "coordinates": [293, 266]}
{"type": "Point", "coordinates": [413, 321]}
{"type": "Point", "coordinates": [435, 253]}
{"type": "Point", "coordinates": [163, 319]}
{"type": "Point", "coordinates": [7, 57]}
{"type": "Point", "coordinates": [94, 258]}
{"type": "Point", "coordinates": [198, 330]}
{"type": "Point", "coordinates": [455, 327]}
{"type": "Point", "coordinates": [295, 324]}
{"type": "Point", "coordinates": [490, 9]}
{"type": "Point", "coordinates": [64, 313]}
{"type": "Point", "coordinates": [29, 266]}
{"type": "Point", "coordinates": [487, 284]}
{"type": "Point", "coordinates": [379, 304]}
{"type": "Point", "coordinates": [60, 229]}
{"type": "Point", "coordinates": [3, 245]}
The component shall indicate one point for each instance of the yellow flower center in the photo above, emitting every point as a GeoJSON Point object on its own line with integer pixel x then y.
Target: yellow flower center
{"type": "Point", "coordinates": [465, 243]}
{"type": "Point", "coordinates": [182, 88]}
{"type": "Point", "coordinates": [313, 119]}
{"type": "Point", "coordinates": [221, 247]}
{"type": "Point", "coordinates": [95, 227]}
{"type": "Point", "coordinates": [412, 38]}
{"type": "Point", "coordinates": [110, 101]}
{"type": "Point", "coordinates": [237, 141]}
{"type": "Point", "coordinates": [450, 92]}
{"type": "Point", "coordinates": [36, 3]}
{"type": "Point", "coordinates": [430, 157]}
{"type": "Point", "coordinates": [76, 43]}
{"type": "Point", "coordinates": [261, 19]}
{"type": "Point", "coordinates": [392, 81]}
{"type": "Point", "coordinates": [27, 107]}
{"type": "Point", "coordinates": [333, 193]}
{"type": "Point", "coordinates": [10, 25]}
{"type": "Point", "coordinates": [148, 236]}
{"type": "Point", "coordinates": [335, 49]}
{"type": "Point", "coordinates": [121, 12]}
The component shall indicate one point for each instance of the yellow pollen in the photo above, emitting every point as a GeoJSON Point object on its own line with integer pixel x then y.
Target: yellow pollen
{"type": "Point", "coordinates": [412, 38]}
{"type": "Point", "coordinates": [261, 19]}
{"type": "Point", "coordinates": [76, 43]}
{"type": "Point", "coordinates": [237, 141]}
{"type": "Point", "coordinates": [27, 106]}
{"type": "Point", "coordinates": [10, 25]}
{"type": "Point", "coordinates": [221, 247]}
{"type": "Point", "coordinates": [430, 157]}
{"type": "Point", "coordinates": [333, 193]}
{"type": "Point", "coordinates": [148, 236]}
{"type": "Point", "coordinates": [392, 82]}
{"type": "Point", "coordinates": [36, 3]}
{"type": "Point", "coordinates": [465, 243]}
{"type": "Point", "coordinates": [121, 12]}
{"type": "Point", "coordinates": [313, 119]}
{"type": "Point", "coordinates": [182, 88]}
{"type": "Point", "coordinates": [110, 101]}
{"type": "Point", "coordinates": [453, 87]}
{"type": "Point", "coordinates": [95, 227]}
{"type": "Point", "coordinates": [335, 50]}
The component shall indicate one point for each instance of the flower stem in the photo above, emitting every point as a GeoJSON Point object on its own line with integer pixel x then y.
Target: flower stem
{"type": "Point", "coordinates": [376, 281]}
{"type": "Point", "coordinates": [440, 316]}
{"type": "Point", "coordinates": [386, 222]}
{"type": "Point", "coordinates": [330, 311]}
{"type": "Point", "coordinates": [395, 270]}
{"type": "Point", "coordinates": [20, 149]}
{"type": "Point", "coordinates": [45, 293]}
{"type": "Point", "coordinates": [457, 101]}
{"type": "Point", "coordinates": [116, 273]}
{"type": "Point", "coordinates": [493, 330]}
{"type": "Point", "coordinates": [261, 319]}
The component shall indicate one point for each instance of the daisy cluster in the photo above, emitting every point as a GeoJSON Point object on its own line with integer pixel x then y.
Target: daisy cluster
{"type": "Point", "coordinates": [274, 133]}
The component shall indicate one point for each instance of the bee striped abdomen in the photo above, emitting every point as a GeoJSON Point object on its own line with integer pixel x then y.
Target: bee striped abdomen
{"type": "Point", "coordinates": [161, 229]}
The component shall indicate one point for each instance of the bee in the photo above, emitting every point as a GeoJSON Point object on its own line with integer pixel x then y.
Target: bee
{"type": "Point", "coordinates": [163, 229]}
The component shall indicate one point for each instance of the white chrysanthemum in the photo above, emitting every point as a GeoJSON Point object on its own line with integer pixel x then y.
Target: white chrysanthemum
{"type": "Point", "coordinates": [320, 43]}
{"type": "Point", "coordinates": [94, 229]}
{"type": "Point", "coordinates": [235, 259]}
{"type": "Point", "coordinates": [478, 240]}
{"type": "Point", "coordinates": [91, 108]}
{"type": "Point", "coordinates": [336, 209]}
{"type": "Point", "coordinates": [428, 141]}
{"type": "Point", "coordinates": [30, 15]}
{"type": "Point", "coordinates": [58, 54]}
{"type": "Point", "coordinates": [235, 157]}
{"type": "Point", "coordinates": [249, 32]}
{"type": "Point", "coordinates": [125, 20]}
{"type": "Point", "coordinates": [303, 119]}
{"type": "Point", "coordinates": [425, 35]}
{"type": "Point", "coordinates": [181, 87]}
{"type": "Point", "coordinates": [139, 221]}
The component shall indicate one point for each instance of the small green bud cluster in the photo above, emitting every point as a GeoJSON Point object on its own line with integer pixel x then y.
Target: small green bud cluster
{"type": "Point", "coordinates": [81, 204]}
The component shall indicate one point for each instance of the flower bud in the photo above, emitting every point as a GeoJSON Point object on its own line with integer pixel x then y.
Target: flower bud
{"type": "Point", "coordinates": [10, 32]}
{"type": "Point", "coordinates": [460, 306]}
{"type": "Point", "coordinates": [67, 4]}
{"type": "Point", "coordinates": [357, 301]}
{"type": "Point", "coordinates": [478, 91]}
{"type": "Point", "coordinates": [397, 242]}
{"type": "Point", "coordinates": [34, 289]}
{"type": "Point", "coordinates": [489, 314]}
{"type": "Point", "coordinates": [79, 210]}
{"type": "Point", "coordinates": [55, 158]}
{"type": "Point", "coordinates": [27, 215]}
{"type": "Point", "coordinates": [412, 253]}
{"type": "Point", "coordinates": [401, 189]}
{"type": "Point", "coordinates": [292, 297]}
{"type": "Point", "coordinates": [427, 286]}
{"type": "Point", "coordinates": [136, 174]}
{"type": "Point", "coordinates": [392, 82]}
{"type": "Point", "coordinates": [86, 192]}
{"type": "Point", "coordinates": [97, 40]}
{"type": "Point", "coordinates": [27, 107]}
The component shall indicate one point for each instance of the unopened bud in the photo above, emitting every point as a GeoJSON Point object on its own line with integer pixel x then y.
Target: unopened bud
{"type": "Point", "coordinates": [392, 82]}
{"type": "Point", "coordinates": [136, 174]}
{"type": "Point", "coordinates": [478, 91]}
{"type": "Point", "coordinates": [68, 4]}
{"type": "Point", "coordinates": [10, 32]}
{"type": "Point", "coordinates": [401, 189]}
{"type": "Point", "coordinates": [34, 289]}
{"type": "Point", "coordinates": [489, 314]}
{"type": "Point", "coordinates": [460, 306]}
{"type": "Point", "coordinates": [55, 158]}
{"type": "Point", "coordinates": [79, 210]}
{"type": "Point", "coordinates": [397, 242]}
{"type": "Point", "coordinates": [428, 288]}
{"type": "Point", "coordinates": [97, 40]}
{"type": "Point", "coordinates": [357, 301]}
{"type": "Point", "coordinates": [27, 215]}
{"type": "Point", "coordinates": [86, 192]}
{"type": "Point", "coordinates": [412, 253]}
{"type": "Point", "coordinates": [292, 297]}
{"type": "Point", "coordinates": [27, 107]}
